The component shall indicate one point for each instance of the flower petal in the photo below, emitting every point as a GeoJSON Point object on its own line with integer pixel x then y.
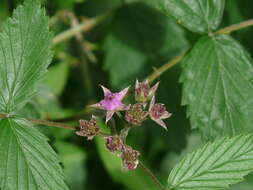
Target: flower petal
{"type": "Point", "coordinates": [153, 89]}
{"type": "Point", "coordinates": [166, 115]}
{"type": "Point", "coordinates": [152, 103]}
{"type": "Point", "coordinates": [123, 93]}
{"type": "Point", "coordinates": [161, 123]}
{"type": "Point", "coordinates": [109, 115]}
{"type": "Point", "coordinates": [97, 105]}
{"type": "Point", "coordinates": [105, 90]}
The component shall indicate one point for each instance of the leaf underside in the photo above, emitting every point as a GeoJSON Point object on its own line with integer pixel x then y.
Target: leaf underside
{"type": "Point", "coordinates": [199, 16]}
{"type": "Point", "coordinates": [26, 159]}
{"type": "Point", "coordinates": [24, 54]}
{"type": "Point", "coordinates": [218, 86]}
{"type": "Point", "coordinates": [214, 166]}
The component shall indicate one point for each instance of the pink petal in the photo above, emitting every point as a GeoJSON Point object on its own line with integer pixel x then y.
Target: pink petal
{"type": "Point", "coordinates": [123, 93]}
{"type": "Point", "coordinates": [166, 115]}
{"type": "Point", "coordinates": [153, 89]}
{"type": "Point", "coordinates": [97, 105]}
{"type": "Point", "coordinates": [109, 115]}
{"type": "Point", "coordinates": [105, 90]}
{"type": "Point", "coordinates": [152, 103]}
{"type": "Point", "coordinates": [161, 123]}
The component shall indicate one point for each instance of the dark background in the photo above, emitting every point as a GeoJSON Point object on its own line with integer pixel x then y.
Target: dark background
{"type": "Point", "coordinates": [133, 38]}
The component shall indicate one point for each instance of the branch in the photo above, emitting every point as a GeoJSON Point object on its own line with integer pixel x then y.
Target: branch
{"type": "Point", "coordinates": [235, 27]}
{"type": "Point", "coordinates": [43, 122]}
{"type": "Point", "coordinates": [164, 68]}
{"type": "Point", "coordinates": [82, 27]}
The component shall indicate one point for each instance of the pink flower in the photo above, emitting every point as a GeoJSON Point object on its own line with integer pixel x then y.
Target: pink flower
{"type": "Point", "coordinates": [112, 102]}
{"type": "Point", "coordinates": [157, 112]}
{"type": "Point", "coordinates": [136, 115]}
{"type": "Point", "coordinates": [143, 92]}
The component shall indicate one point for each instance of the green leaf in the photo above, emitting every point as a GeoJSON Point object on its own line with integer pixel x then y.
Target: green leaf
{"type": "Point", "coordinates": [133, 180]}
{"type": "Point", "coordinates": [218, 86]}
{"type": "Point", "coordinates": [26, 159]}
{"type": "Point", "coordinates": [214, 166]}
{"type": "Point", "coordinates": [199, 16]}
{"type": "Point", "coordinates": [134, 42]}
{"type": "Point", "coordinates": [24, 54]}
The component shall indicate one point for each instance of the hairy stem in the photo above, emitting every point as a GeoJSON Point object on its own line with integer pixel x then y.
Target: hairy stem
{"type": "Point", "coordinates": [82, 27]}
{"type": "Point", "coordinates": [235, 27]}
{"type": "Point", "coordinates": [152, 176]}
{"type": "Point", "coordinates": [164, 68]}
{"type": "Point", "coordinates": [43, 122]}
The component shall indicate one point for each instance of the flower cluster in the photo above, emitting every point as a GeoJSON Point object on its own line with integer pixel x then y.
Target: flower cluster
{"type": "Point", "coordinates": [135, 115]}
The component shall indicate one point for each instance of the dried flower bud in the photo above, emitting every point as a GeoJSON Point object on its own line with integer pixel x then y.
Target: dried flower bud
{"type": "Point", "coordinates": [114, 143]}
{"type": "Point", "coordinates": [135, 115]}
{"type": "Point", "coordinates": [158, 112]}
{"type": "Point", "coordinates": [143, 92]}
{"type": "Point", "coordinates": [88, 128]}
{"type": "Point", "coordinates": [129, 158]}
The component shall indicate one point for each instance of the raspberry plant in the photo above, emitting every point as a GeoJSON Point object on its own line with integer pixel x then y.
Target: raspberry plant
{"type": "Point", "coordinates": [217, 87]}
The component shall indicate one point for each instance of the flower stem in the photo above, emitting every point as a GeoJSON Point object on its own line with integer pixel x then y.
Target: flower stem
{"type": "Point", "coordinates": [43, 122]}
{"type": "Point", "coordinates": [152, 176]}
{"type": "Point", "coordinates": [235, 27]}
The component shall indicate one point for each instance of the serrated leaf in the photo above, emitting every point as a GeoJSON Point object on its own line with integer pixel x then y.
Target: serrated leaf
{"type": "Point", "coordinates": [214, 166]}
{"type": "Point", "coordinates": [26, 159]}
{"type": "Point", "coordinates": [199, 16]}
{"type": "Point", "coordinates": [218, 86]}
{"type": "Point", "coordinates": [24, 54]}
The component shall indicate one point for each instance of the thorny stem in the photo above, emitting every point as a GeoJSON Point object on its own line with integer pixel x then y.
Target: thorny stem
{"type": "Point", "coordinates": [152, 176]}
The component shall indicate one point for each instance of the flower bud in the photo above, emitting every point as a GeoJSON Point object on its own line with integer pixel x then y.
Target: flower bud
{"type": "Point", "coordinates": [135, 115]}
{"type": "Point", "coordinates": [143, 92]}
{"type": "Point", "coordinates": [114, 143]}
{"type": "Point", "coordinates": [129, 158]}
{"type": "Point", "coordinates": [88, 128]}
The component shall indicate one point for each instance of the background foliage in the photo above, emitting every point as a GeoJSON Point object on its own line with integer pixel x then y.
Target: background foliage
{"type": "Point", "coordinates": [134, 37]}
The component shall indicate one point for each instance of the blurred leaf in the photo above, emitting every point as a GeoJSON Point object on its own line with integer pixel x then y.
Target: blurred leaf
{"type": "Point", "coordinates": [57, 77]}
{"type": "Point", "coordinates": [199, 16]}
{"type": "Point", "coordinates": [73, 159]}
{"type": "Point", "coordinates": [214, 166]}
{"type": "Point", "coordinates": [26, 159]}
{"type": "Point", "coordinates": [219, 91]}
{"type": "Point", "coordinates": [22, 61]}
{"type": "Point", "coordinates": [134, 41]}
{"type": "Point", "coordinates": [133, 180]}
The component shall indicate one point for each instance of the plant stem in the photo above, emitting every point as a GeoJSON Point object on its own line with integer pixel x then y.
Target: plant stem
{"type": "Point", "coordinates": [152, 176]}
{"type": "Point", "coordinates": [235, 27]}
{"type": "Point", "coordinates": [51, 123]}
{"type": "Point", "coordinates": [83, 27]}
{"type": "Point", "coordinates": [164, 68]}
{"type": "Point", "coordinates": [43, 122]}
